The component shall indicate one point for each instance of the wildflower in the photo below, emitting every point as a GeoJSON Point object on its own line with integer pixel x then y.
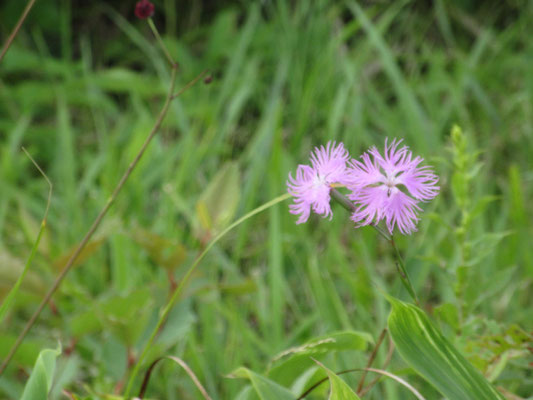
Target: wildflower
{"type": "Point", "coordinates": [144, 9]}
{"type": "Point", "coordinates": [390, 187]}
{"type": "Point", "coordinates": [312, 184]}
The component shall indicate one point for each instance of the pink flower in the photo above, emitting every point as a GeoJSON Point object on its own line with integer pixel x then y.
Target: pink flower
{"type": "Point", "coordinates": [390, 187]}
{"type": "Point", "coordinates": [311, 186]}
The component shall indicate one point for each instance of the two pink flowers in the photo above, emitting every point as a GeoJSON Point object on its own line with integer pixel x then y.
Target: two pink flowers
{"type": "Point", "coordinates": [385, 187]}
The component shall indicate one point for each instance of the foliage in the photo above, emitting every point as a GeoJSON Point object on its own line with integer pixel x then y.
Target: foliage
{"type": "Point", "coordinates": [433, 357]}
{"type": "Point", "coordinates": [40, 381]}
{"type": "Point", "coordinates": [80, 89]}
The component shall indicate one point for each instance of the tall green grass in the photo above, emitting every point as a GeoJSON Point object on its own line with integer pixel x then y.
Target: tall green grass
{"type": "Point", "coordinates": [287, 77]}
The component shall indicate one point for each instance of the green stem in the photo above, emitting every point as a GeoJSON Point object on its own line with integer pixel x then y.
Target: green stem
{"type": "Point", "coordinates": [342, 200]}
{"type": "Point", "coordinates": [404, 276]}
{"type": "Point", "coordinates": [160, 41]}
{"type": "Point", "coordinates": [13, 292]}
{"type": "Point", "coordinates": [400, 265]}
{"type": "Point", "coordinates": [185, 281]}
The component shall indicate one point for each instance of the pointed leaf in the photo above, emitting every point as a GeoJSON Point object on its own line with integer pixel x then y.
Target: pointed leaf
{"type": "Point", "coordinates": [287, 366]}
{"type": "Point", "coordinates": [339, 389]}
{"type": "Point", "coordinates": [425, 349]}
{"type": "Point", "coordinates": [40, 380]}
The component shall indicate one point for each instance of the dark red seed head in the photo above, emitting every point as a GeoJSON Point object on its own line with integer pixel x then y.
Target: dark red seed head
{"type": "Point", "coordinates": [144, 9]}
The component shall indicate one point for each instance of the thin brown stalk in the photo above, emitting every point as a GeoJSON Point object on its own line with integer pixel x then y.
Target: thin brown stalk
{"type": "Point", "coordinates": [378, 371]}
{"type": "Point", "coordinates": [399, 380]}
{"type": "Point", "coordinates": [95, 224]}
{"type": "Point", "coordinates": [385, 365]}
{"type": "Point", "coordinates": [371, 359]}
{"type": "Point", "coordinates": [191, 83]}
{"type": "Point", "coordinates": [16, 29]}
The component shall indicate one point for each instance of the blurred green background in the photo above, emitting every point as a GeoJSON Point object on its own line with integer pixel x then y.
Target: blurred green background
{"type": "Point", "coordinates": [81, 87]}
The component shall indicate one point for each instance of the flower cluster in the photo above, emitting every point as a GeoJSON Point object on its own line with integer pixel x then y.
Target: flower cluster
{"type": "Point", "coordinates": [386, 186]}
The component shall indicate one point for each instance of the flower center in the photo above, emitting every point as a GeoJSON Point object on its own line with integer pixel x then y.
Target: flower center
{"type": "Point", "coordinates": [390, 181]}
{"type": "Point", "coordinates": [319, 180]}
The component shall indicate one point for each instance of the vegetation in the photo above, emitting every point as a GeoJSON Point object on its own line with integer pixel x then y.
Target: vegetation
{"type": "Point", "coordinates": [81, 87]}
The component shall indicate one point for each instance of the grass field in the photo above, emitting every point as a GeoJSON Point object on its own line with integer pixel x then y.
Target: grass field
{"type": "Point", "coordinates": [81, 88]}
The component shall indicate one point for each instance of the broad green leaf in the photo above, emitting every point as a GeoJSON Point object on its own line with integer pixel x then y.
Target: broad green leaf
{"type": "Point", "coordinates": [264, 387]}
{"type": "Point", "coordinates": [287, 366]}
{"type": "Point", "coordinates": [40, 380]}
{"type": "Point", "coordinates": [217, 205]}
{"type": "Point", "coordinates": [247, 394]}
{"type": "Point", "coordinates": [428, 352]}
{"type": "Point", "coordinates": [339, 390]}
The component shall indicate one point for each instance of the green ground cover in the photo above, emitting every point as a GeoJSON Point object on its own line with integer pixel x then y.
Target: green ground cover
{"type": "Point", "coordinates": [80, 90]}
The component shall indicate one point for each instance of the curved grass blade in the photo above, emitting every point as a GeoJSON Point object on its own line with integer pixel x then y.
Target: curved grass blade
{"type": "Point", "coordinates": [366, 389]}
{"type": "Point", "coordinates": [14, 290]}
{"type": "Point", "coordinates": [188, 275]}
{"type": "Point", "coordinates": [428, 352]}
{"type": "Point", "coordinates": [183, 365]}
{"type": "Point", "coordinates": [288, 365]}
{"type": "Point", "coordinates": [397, 379]}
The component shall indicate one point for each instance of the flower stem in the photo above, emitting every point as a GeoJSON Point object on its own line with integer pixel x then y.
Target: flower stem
{"type": "Point", "coordinates": [371, 359]}
{"type": "Point", "coordinates": [160, 42]}
{"type": "Point", "coordinates": [400, 265]}
{"type": "Point", "coordinates": [179, 289]}
{"type": "Point", "coordinates": [342, 200]}
{"type": "Point", "coordinates": [404, 276]}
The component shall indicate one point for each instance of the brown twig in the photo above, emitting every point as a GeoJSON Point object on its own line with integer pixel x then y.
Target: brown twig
{"type": "Point", "coordinates": [16, 29]}
{"type": "Point", "coordinates": [385, 365]}
{"type": "Point", "coordinates": [371, 359]}
{"type": "Point", "coordinates": [95, 224]}
{"type": "Point", "coordinates": [191, 83]}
